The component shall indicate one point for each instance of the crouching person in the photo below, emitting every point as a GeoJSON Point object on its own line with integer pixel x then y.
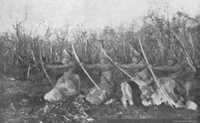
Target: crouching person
{"type": "Point", "coordinates": [68, 84]}
{"type": "Point", "coordinates": [106, 85]}
{"type": "Point", "coordinates": [145, 85]}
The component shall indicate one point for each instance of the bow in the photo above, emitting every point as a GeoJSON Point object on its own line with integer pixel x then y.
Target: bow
{"type": "Point", "coordinates": [83, 67]}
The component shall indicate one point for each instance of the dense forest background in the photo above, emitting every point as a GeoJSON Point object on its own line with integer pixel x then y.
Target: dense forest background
{"type": "Point", "coordinates": [21, 53]}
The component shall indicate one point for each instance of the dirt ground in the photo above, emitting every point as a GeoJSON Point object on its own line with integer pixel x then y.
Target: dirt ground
{"type": "Point", "coordinates": [22, 102]}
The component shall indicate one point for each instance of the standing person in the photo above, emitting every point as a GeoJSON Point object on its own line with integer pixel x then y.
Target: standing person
{"type": "Point", "coordinates": [106, 84]}
{"type": "Point", "coordinates": [68, 84]}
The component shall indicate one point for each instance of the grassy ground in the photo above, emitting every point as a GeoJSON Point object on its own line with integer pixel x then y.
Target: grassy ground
{"type": "Point", "coordinates": [22, 102]}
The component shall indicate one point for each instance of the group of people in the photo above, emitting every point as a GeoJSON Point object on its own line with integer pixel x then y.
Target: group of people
{"type": "Point", "coordinates": [69, 83]}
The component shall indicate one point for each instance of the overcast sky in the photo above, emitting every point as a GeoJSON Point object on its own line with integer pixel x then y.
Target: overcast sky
{"type": "Point", "coordinates": [90, 13]}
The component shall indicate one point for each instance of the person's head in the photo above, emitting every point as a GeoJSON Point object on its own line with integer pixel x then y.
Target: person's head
{"type": "Point", "coordinates": [172, 62]}
{"type": "Point", "coordinates": [66, 56]}
{"type": "Point", "coordinates": [197, 63]}
{"type": "Point", "coordinates": [135, 55]}
{"type": "Point", "coordinates": [103, 57]}
{"type": "Point", "coordinates": [136, 58]}
{"type": "Point", "coordinates": [103, 60]}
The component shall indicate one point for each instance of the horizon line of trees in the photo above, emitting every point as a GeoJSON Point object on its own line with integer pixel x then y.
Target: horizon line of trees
{"type": "Point", "coordinates": [22, 52]}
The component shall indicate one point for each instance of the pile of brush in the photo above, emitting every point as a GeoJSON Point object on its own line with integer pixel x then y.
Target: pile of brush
{"type": "Point", "coordinates": [69, 110]}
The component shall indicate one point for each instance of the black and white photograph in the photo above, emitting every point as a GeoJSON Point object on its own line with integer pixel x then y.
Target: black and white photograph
{"type": "Point", "coordinates": [99, 61]}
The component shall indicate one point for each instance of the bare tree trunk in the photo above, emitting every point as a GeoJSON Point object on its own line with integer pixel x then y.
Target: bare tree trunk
{"type": "Point", "coordinates": [124, 46]}
{"type": "Point", "coordinates": [191, 41]}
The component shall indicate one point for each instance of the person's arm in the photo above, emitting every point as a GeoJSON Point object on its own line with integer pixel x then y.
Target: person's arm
{"type": "Point", "coordinates": [167, 68]}
{"type": "Point", "coordinates": [99, 66]}
{"type": "Point", "coordinates": [60, 66]}
{"type": "Point", "coordinates": [91, 66]}
{"type": "Point", "coordinates": [161, 68]}
{"type": "Point", "coordinates": [105, 66]}
{"type": "Point", "coordinates": [132, 65]}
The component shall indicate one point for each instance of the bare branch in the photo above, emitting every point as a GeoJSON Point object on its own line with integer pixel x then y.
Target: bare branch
{"type": "Point", "coordinates": [23, 20]}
